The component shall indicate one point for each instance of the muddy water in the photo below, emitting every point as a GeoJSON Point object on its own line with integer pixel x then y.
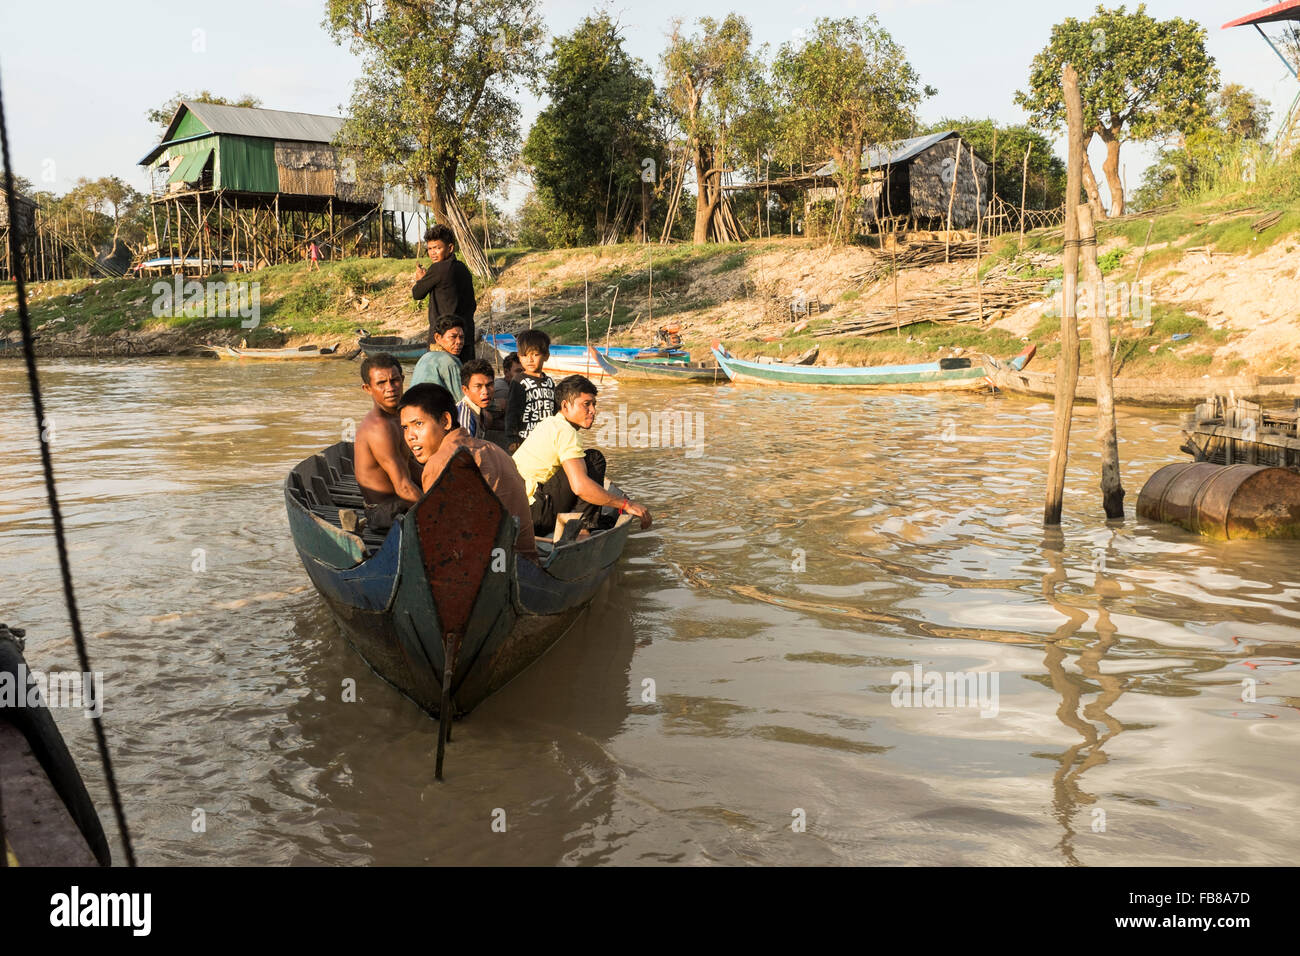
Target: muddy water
{"type": "Point", "coordinates": [734, 696]}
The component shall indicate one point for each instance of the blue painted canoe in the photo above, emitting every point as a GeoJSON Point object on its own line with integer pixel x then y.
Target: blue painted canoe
{"type": "Point", "coordinates": [444, 585]}
{"type": "Point", "coordinates": [505, 344]}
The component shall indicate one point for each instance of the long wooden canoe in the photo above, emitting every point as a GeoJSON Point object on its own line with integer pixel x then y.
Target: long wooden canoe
{"type": "Point", "coordinates": [444, 585]}
{"type": "Point", "coordinates": [275, 355]}
{"type": "Point", "coordinates": [1143, 392]}
{"type": "Point", "coordinates": [49, 819]}
{"type": "Point", "coordinates": [694, 373]}
{"type": "Point", "coordinates": [945, 375]}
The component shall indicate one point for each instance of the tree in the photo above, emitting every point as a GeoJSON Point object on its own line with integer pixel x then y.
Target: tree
{"type": "Point", "coordinates": [1005, 146]}
{"type": "Point", "coordinates": [1139, 78]}
{"type": "Point", "coordinates": [432, 107]}
{"type": "Point", "coordinates": [711, 78]}
{"type": "Point", "coordinates": [848, 86]}
{"type": "Point", "coordinates": [1225, 140]}
{"type": "Point", "coordinates": [588, 150]}
{"type": "Point", "coordinates": [162, 116]}
{"type": "Point", "coordinates": [1240, 113]}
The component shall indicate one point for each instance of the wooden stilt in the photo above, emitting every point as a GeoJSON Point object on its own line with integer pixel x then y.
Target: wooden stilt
{"type": "Point", "coordinates": [1067, 368]}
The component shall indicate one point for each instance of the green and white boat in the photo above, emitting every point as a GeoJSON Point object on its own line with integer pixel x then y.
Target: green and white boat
{"type": "Point", "coordinates": [950, 374]}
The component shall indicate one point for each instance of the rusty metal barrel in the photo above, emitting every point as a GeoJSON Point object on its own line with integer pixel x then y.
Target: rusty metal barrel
{"type": "Point", "coordinates": [1224, 501]}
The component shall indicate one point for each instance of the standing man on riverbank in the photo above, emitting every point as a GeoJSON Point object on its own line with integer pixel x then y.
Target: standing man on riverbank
{"type": "Point", "coordinates": [448, 284]}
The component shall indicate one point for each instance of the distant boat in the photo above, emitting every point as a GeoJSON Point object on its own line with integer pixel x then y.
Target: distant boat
{"type": "Point", "coordinates": [49, 819]}
{"type": "Point", "coordinates": [444, 583]}
{"type": "Point", "coordinates": [946, 374]}
{"type": "Point", "coordinates": [505, 344]}
{"type": "Point", "coordinates": [278, 355]}
{"type": "Point", "coordinates": [409, 350]}
{"type": "Point", "coordinates": [663, 372]}
{"type": "Point", "coordinates": [1145, 390]}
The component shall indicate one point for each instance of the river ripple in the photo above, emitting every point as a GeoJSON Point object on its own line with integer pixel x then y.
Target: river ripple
{"type": "Point", "coordinates": [815, 546]}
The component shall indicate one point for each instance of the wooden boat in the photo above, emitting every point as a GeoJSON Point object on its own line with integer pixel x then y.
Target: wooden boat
{"type": "Point", "coordinates": [277, 355]}
{"type": "Point", "coordinates": [946, 374]}
{"type": "Point", "coordinates": [440, 607]}
{"type": "Point", "coordinates": [667, 372]}
{"type": "Point", "coordinates": [1145, 392]}
{"type": "Point", "coordinates": [49, 819]}
{"type": "Point", "coordinates": [404, 350]}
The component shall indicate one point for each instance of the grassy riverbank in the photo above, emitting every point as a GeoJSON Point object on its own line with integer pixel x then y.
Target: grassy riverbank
{"type": "Point", "coordinates": [1212, 287]}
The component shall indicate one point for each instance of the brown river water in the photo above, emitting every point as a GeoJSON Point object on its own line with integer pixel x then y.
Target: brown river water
{"type": "Point", "coordinates": [735, 693]}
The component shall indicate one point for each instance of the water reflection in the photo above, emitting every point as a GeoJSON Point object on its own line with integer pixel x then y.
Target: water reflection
{"type": "Point", "coordinates": [792, 569]}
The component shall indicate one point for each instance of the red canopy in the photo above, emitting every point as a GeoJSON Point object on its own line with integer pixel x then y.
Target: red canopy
{"type": "Point", "coordinates": [1287, 10]}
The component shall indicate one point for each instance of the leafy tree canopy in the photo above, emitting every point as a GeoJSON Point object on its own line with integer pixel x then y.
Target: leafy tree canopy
{"type": "Point", "coordinates": [591, 147]}
{"type": "Point", "coordinates": [1139, 78]}
{"type": "Point", "coordinates": [433, 105]}
{"type": "Point", "coordinates": [847, 86]}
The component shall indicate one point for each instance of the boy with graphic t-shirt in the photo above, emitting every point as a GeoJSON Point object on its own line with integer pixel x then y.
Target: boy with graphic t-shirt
{"type": "Point", "coordinates": [532, 394]}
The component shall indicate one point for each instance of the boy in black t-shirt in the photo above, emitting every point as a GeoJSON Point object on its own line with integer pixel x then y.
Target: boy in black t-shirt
{"type": "Point", "coordinates": [532, 394]}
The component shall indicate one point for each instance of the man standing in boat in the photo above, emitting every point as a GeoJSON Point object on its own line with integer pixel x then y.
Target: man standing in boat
{"type": "Point", "coordinates": [428, 423]}
{"type": "Point", "coordinates": [389, 478]}
{"type": "Point", "coordinates": [557, 473]}
{"type": "Point", "coordinates": [448, 284]}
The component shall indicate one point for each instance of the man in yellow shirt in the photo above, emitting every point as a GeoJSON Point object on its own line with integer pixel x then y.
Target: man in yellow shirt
{"type": "Point", "coordinates": [557, 472]}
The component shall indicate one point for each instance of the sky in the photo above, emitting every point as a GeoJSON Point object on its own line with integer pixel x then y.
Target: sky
{"type": "Point", "coordinates": [79, 76]}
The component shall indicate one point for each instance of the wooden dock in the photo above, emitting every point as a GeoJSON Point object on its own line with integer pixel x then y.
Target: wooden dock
{"type": "Point", "coordinates": [1229, 431]}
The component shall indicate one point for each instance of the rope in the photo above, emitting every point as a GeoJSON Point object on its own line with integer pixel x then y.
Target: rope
{"type": "Point", "coordinates": [38, 406]}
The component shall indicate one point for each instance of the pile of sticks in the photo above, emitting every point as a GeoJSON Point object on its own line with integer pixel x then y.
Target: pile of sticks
{"type": "Point", "coordinates": [955, 305]}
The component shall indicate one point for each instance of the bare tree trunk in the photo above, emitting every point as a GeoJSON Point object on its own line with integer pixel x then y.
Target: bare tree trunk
{"type": "Point", "coordinates": [1067, 367]}
{"type": "Point", "coordinates": [1090, 184]}
{"type": "Point", "coordinates": [447, 210]}
{"type": "Point", "coordinates": [1111, 168]}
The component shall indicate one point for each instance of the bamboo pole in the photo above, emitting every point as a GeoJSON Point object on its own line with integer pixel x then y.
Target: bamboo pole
{"type": "Point", "coordinates": [1067, 366]}
{"type": "Point", "coordinates": [610, 328]}
{"type": "Point", "coordinates": [979, 217]}
{"type": "Point", "coordinates": [952, 194]}
{"type": "Point", "coordinates": [1024, 182]}
{"type": "Point", "coordinates": [586, 311]}
{"type": "Point", "coordinates": [530, 300]}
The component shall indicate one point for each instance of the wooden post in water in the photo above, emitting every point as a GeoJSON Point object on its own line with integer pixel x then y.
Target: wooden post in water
{"type": "Point", "coordinates": [1112, 492]}
{"type": "Point", "coordinates": [1067, 366]}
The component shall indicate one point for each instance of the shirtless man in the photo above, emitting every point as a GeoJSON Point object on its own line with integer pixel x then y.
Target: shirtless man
{"type": "Point", "coordinates": [388, 476]}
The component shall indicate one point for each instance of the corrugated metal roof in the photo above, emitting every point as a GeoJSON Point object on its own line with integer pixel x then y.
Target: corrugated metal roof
{"type": "Point", "coordinates": [1287, 10]}
{"type": "Point", "coordinates": [889, 154]}
{"type": "Point", "coordinates": [245, 121]}
{"type": "Point", "coordinates": [267, 124]}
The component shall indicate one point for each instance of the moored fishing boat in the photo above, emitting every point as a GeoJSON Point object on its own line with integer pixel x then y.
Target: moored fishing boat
{"type": "Point", "coordinates": [696, 373]}
{"type": "Point", "coordinates": [275, 355]}
{"type": "Point", "coordinates": [505, 344]}
{"type": "Point", "coordinates": [1144, 391]}
{"type": "Point", "coordinates": [943, 375]}
{"type": "Point", "coordinates": [404, 350]}
{"type": "Point", "coordinates": [49, 819]}
{"type": "Point", "coordinates": [440, 607]}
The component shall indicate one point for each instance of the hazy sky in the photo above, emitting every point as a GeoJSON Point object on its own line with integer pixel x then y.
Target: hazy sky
{"type": "Point", "coordinates": [79, 76]}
